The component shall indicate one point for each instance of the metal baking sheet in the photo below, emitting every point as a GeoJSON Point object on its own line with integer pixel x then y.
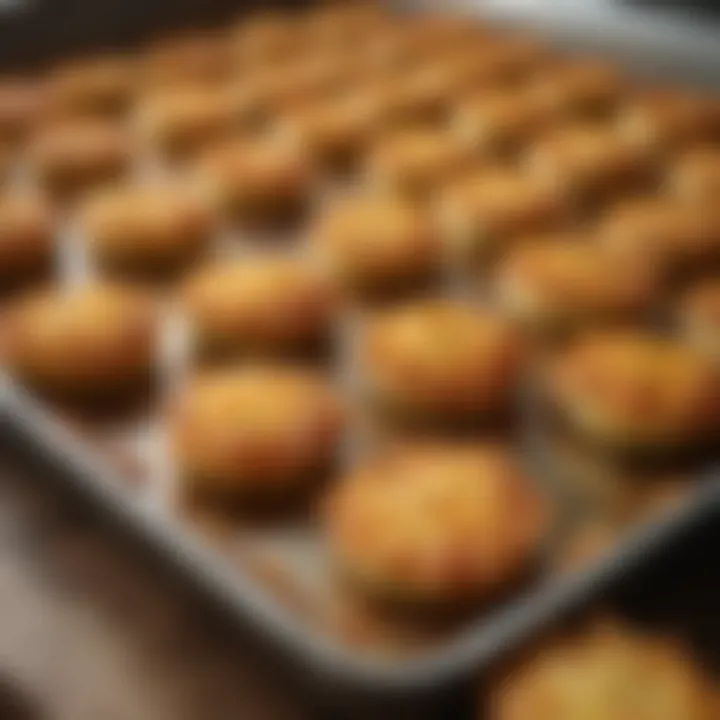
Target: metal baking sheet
{"type": "Point", "coordinates": [283, 599]}
{"type": "Point", "coordinates": [479, 643]}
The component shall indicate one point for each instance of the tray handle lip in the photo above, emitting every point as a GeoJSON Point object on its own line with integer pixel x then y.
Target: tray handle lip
{"type": "Point", "coordinates": [480, 643]}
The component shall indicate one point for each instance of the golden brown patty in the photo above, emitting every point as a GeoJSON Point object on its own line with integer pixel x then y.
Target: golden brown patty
{"type": "Point", "coordinates": [578, 88]}
{"type": "Point", "coordinates": [700, 316]}
{"type": "Point", "coordinates": [606, 673]}
{"type": "Point", "coordinates": [560, 284]}
{"type": "Point", "coordinates": [441, 360]}
{"type": "Point", "coordinates": [377, 243]}
{"type": "Point", "coordinates": [270, 305]}
{"type": "Point", "coordinates": [260, 183]}
{"type": "Point", "coordinates": [94, 86]}
{"type": "Point", "coordinates": [74, 155]}
{"type": "Point", "coordinates": [138, 231]}
{"type": "Point", "coordinates": [668, 120]}
{"type": "Point", "coordinates": [482, 213]}
{"type": "Point", "coordinates": [255, 430]}
{"type": "Point", "coordinates": [26, 239]}
{"type": "Point", "coordinates": [633, 390]}
{"type": "Point", "coordinates": [589, 163]}
{"type": "Point", "coordinates": [676, 235]}
{"type": "Point", "coordinates": [87, 342]}
{"type": "Point", "coordinates": [435, 524]}
{"type": "Point", "coordinates": [695, 175]}
{"type": "Point", "coordinates": [180, 122]}
{"type": "Point", "coordinates": [415, 161]}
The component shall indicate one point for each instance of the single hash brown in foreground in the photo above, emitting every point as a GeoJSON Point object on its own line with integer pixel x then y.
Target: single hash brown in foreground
{"type": "Point", "coordinates": [259, 306]}
{"type": "Point", "coordinates": [147, 231]}
{"type": "Point", "coordinates": [435, 525]}
{"type": "Point", "coordinates": [606, 672]}
{"type": "Point", "coordinates": [564, 283]}
{"type": "Point", "coordinates": [629, 390]}
{"type": "Point", "coordinates": [27, 246]}
{"type": "Point", "coordinates": [89, 343]}
{"type": "Point", "coordinates": [441, 361]}
{"type": "Point", "coordinates": [375, 245]}
{"type": "Point", "coordinates": [255, 432]}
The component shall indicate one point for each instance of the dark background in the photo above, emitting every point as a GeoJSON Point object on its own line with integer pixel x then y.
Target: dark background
{"type": "Point", "coordinates": [37, 29]}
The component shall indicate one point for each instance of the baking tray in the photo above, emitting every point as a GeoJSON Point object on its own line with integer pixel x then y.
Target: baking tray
{"type": "Point", "coordinates": [95, 469]}
{"type": "Point", "coordinates": [481, 642]}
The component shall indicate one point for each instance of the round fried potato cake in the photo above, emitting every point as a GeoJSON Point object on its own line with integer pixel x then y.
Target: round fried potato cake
{"type": "Point", "coordinates": [89, 343]}
{"type": "Point", "coordinates": [631, 390]}
{"type": "Point", "coordinates": [255, 431]}
{"type": "Point", "coordinates": [439, 360]}
{"type": "Point", "coordinates": [435, 525]}
{"type": "Point", "coordinates": [606, 672]}
{"type": "Point", "coordinates": [274, 306]}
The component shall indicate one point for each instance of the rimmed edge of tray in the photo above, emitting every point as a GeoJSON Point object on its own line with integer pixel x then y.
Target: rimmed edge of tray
{"type": "Point", "coordinates": [480, 643]}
